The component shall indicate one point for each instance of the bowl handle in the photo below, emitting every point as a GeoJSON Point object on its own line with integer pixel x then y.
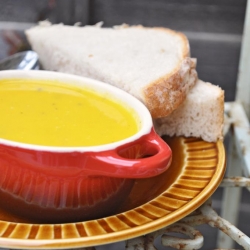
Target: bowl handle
{"type": "Point", "coordinates": [146, 157]}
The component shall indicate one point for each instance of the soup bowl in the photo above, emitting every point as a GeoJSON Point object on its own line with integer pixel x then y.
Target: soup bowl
{"type": "Point", "coordinates": [57, 184]}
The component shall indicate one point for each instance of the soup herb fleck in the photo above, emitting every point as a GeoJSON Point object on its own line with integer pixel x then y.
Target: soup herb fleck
{"type": "Point", "coordinates": [57, 114]}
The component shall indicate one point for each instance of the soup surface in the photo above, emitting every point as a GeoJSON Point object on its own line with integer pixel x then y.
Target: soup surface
{"type": "Point", "coordinates": [56, 114]}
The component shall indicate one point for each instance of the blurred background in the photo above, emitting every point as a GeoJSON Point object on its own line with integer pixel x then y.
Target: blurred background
{"type": "Point", "coordinates": [214, 29]}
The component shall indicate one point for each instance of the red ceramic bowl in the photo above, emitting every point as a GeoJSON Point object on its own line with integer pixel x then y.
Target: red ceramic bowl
{"type": "Point", "coordinates": [48, 184]}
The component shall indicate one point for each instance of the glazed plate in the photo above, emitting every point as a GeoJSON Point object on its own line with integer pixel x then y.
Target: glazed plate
{"type": "Point", "coordinates": [196, 171]}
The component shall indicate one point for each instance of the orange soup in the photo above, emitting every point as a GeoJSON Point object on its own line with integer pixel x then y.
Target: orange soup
{"type": "Point", "coordinates": [55, 114]}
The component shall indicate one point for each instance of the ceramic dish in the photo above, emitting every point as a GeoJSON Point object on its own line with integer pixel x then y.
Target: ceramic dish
{"type": "Point", "coordinates": [64, 180]}
{"type": "Point", "coordinates": [195, 173]}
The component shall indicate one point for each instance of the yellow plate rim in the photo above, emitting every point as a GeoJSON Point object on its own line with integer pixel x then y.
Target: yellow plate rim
{"type": "Point", "coordinates": [18, 239]}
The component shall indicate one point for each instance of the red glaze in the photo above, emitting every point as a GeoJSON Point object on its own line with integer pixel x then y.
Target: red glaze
{"type": "Point", "coordinates": [146, 157]}
{"type": "Point", "coordinates": [56, 184]}
{"type": "Point", "coordinates": [74, 186]}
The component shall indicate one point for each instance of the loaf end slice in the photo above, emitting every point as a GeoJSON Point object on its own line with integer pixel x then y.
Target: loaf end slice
{"type": "Point", "coordinates": [200, 115]}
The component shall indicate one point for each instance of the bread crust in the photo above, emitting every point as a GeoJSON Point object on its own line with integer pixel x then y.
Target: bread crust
{"type": "Point", "coordinates": [163, 95]}
{"type": "Point", "coordinates": [220, 118]}
{"type": "Point", "coordinates": [196, 116]}
{"type": "Point", "coordinates": [172, 89]}
{"type": "Point", "coordinates": [186, 50]}
{"type": "Point", "coordinates": [186, 47]}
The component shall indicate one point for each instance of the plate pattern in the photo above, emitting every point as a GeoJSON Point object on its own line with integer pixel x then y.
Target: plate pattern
{"type": "Point", "coordinates": [202, 169]}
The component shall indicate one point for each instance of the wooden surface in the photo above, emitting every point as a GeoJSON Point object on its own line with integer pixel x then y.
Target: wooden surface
{"type": "Point", "coordinates": [220, 16]}
{"type": "Point", "coordinates": [214, 27]}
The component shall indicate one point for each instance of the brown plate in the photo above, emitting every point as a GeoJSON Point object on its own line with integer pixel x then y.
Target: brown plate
{"type": "Point", "coordinates": [195, 173]}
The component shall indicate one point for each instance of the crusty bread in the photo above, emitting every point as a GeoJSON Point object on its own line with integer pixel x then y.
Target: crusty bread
{"type": "Point", "coordinates": [153, 64]}
{"type": "Point", "coordinates": [200, 115]}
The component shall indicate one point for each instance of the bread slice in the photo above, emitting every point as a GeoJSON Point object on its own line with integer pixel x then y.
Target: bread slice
{"type": "Point", "coordinates": [200, 115]}
{"type": "Point", "coordinates": [153, 64]}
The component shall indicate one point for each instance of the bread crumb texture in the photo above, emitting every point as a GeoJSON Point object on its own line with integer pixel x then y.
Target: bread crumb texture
{"type": "Point", "coordinates": [200, 115]}
{"type": "Point", "coordinates": [152, 64]}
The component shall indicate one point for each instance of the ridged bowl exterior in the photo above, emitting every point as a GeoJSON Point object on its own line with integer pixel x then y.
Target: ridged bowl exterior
{"type": "Point", "coordinates": [196, 171]}
{"type": "Point", "coordinates": [48, 184]}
